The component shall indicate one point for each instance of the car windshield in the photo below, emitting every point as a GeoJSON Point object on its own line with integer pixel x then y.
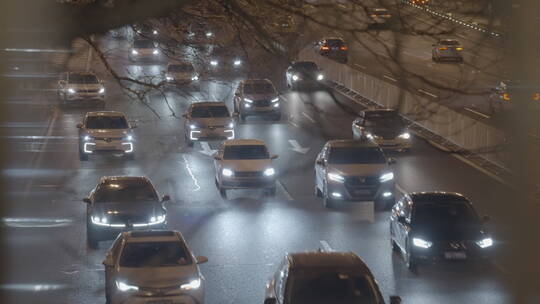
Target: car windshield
{"type": "Point", "coordinates": [210, 111]}
{"type": "Point", "coordinates": [444, 212]}
{"type": "Point", "coordinates": [356, 155]}
{"type": "Point", "coordinates": [175, 68]}
{"type": "Point", "coordinates": [448, 42]}
{"type": "Point", "coordinates": [306, 66]}
{"type": "Point", "coordinates": [258, 88]}
{"type": "Point", "coordinates": [384, 120]}
{"type": "Point", "coordinates": [143, 44]}
{"type": "Point", "coordinates": [315, 287]}
{"type": "Point", "coordinates": [335, 42]}
{"type": "Point", "coordinates": [106, 122]}
{"type": "Point", "coordinates": [124, 192]}
{"type": "Point", "coordinates": [83, 78]}
{"type": "Point", "coordinates": [154, 254]}
{"type": "Point", "coordinates": [379, 11]}
{"type": "Point", "coordinates": [246, 152]}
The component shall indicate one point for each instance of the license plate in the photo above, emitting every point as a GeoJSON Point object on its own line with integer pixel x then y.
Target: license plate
{"type": "Point", "coordinates": [362, 192]}
{"type": "Point", "coordinates": [455, 255]}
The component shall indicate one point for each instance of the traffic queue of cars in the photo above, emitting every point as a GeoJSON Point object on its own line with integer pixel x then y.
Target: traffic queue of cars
{"type": "Point", "coordinates": [149, 264]}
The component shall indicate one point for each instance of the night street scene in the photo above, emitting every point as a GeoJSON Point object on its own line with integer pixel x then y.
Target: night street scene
{"type": "Point", "coordinates": [270, 151]}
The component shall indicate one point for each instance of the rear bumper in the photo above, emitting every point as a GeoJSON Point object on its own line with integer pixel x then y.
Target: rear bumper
{"type": "Point", "coordinates": [394, 144]}
{"type": "Point", "coordinates": [85, 96]}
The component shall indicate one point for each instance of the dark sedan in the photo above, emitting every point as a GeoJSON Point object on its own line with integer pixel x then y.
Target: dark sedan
{"type": "Point", "coordinates": [303, 73]}
{"type": "Point", "coordinates": [122, 203]}
{"type": "Point", "coordinates": [436, 226]}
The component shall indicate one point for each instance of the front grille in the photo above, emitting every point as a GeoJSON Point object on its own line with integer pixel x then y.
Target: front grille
{"type": "Point", "coordinates": [155, 291]}
{"type": "Point", "coordinates": [108, 139]}
{"type": "Point", "coordinates": [248, 173]}
{"type": "Point", "coordinates": [132, 219]}
{"type": "Point", "coordinates": [87, 91]}
{"type": "Point", "coordinates": [456, 246]}
{"type": "Point", "coordinates": [362, 180]}
{"type": "Point", "coordinates": [262, 103]}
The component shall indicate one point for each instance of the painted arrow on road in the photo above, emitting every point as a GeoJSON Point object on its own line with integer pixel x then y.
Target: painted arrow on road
{"type": "Point", "coordinates": [296, 147]}
{"type": "Point", "coordinates": [206, 149]}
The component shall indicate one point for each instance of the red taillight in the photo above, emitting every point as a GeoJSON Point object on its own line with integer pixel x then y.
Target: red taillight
{"type": "Point", "coordinates": [325, 48]}
{"type": "Point", "coordinates": [536, 96]}
{"type": "Point", "coordinates": [344, 48]}
{"type": "Point", "coordinates": [506, 96]}
{"type": "Point", "coordinates": [443, 48]}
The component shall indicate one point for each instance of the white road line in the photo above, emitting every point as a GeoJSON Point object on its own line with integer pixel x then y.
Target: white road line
{"type": "Point", "coordinates": [400, 189]}
{"type": "Point", "coordinates": [308, 117]}
{"type": "Point", "coordinates": [325, 246]}
{"type": "Point", "coordinates": [477, 113]}
{"type": "Point", "coordinates": [390, 78]}
{"type": "Point", "coordinates": [294, 124]}
{"type": "Point", "coordinates": [462, 36]}
{"type": "Point", "coordinates": [285, 192]}
{"type": "Point", "coordinates": [360, 66]}
{"type": "Point", "coordinates": [40, 137]}
{"type": "Point", "coordinates": [427, 93]}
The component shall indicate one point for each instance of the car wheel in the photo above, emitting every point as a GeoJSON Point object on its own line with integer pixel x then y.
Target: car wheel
{"type": "Point", "coordinates": [83, 156]}
{"type": "Point", "coordinates": [223, 193]}
{"type": "Point", "coordinates": [318, 192]}
{"type": "Point", "coordinates": [107, 295]}
{"type": "Point", "coordinates": [328, 203]}
{"type": "Point", "coordinates": [190, 143]}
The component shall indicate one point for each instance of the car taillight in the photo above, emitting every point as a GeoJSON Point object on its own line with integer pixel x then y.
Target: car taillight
{"type": "Point", "coordinates": [343, 48]}
{"type": "Point", "coordinates": [506, 96]}
{"type": "Point", "coordinates": [536, 96]}
{"type": "Point", "coordinates": [325, 48]}
{"type": "Point", "coordinates": [459, 48]}
{"type": "Point", "coordinates": [443, 48]}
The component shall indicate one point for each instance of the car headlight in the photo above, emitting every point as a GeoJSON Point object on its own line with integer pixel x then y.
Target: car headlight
{"type": "Point", "coordinates": [88, 138]}
{"type": "Point", "coordinates": [154, 32]}
{"type": "Point", "coordinates": [71, 91]}
{"type": "Point", "coordinates": [418, 242]}
{"type": "Point", "coordinates": [231, 125]}
{"type": "Point", "coordinates": [134, 52]}
{"type": "Point", "coordinates": [484, 243]}
{"type": "Point", "coordinates": [370, 136]}
{"type": "Point", "coordinates": [227, 172]}
{"type": "Point", "coordinates": [195, 284]}
{"type": "Point", "coordinates": [295, 77]}
{"type": "Point", "coordinates": [193, 126]}
{"type": "Point", "coordinates": [386, 177]}
{"type": "Point", "coordinates": [405, 135]}
{"type": "Point", "coordinates": [194, 78]}
{"type": "Point", "coordinates": [214, 62]}
{"type": "Point", "coordinates": [155, 52]}
{"type": "Point", "coordinates": [320, 77]}
{"type": "Point", "coordinates": [128, 137]}
{"type": "Point", "coordinates": [269, 172]}
{"type": "Point", "coordinates": [275, 99]}
{"type": "Point", "coordinates": [248, 100]}
{"type": "Point", "coordinates": [125, 287]}
{"type": "Point", "coordinates": [336, 177]}
{"type": "Point", "coordinates": [237, 62]}
{"type": "Point", "coordinates": [157, 219]}
{"type": "Point", "coordinates": [209, 34]}
{"type": "Point", "coordinates": [169, 78]}
{"type": "Point", "coordinates": [99, 220]}
{"type": "Point", "coordinates": [102, 90]}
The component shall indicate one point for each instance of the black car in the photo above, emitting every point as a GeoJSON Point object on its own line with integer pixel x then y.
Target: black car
{"type": "Point", "coordinates": [303, 73]}
{"type": "Point", "coordinates": [384, 126]}
{"type": "Point", "coordinates": [334, 48]}
{"type": "Point", "coordinates": [224, 59]}
{"type": "Point", "coordinates": [122, 203]}
{"type": "Point", "coordinates": [435, 226]}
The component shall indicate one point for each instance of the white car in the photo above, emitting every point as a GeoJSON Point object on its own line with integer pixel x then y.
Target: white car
{"type": "Point", "coordinates": [207, 121]}
{"type": "Point", "coordinates": [81, 86]}
{"type": "Point", "coordinates": [143, 49]}
{"type": "Point", "coordinates": [181, 73]}
{"type": "Point", "coordinates": [105, 132]}
{"type": "Point", "coordinates": [152, 266]}
{"type": "Point", "coordinates": [245, 164]}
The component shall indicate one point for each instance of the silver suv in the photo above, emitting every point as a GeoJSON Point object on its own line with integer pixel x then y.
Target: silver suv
{"type": "Point", "coordinates": [447, 49]}
{"type": "Point", "coordinates": [208, 121]}
{"type": "Point", "coordinates": [106, 132]}
{"type": "Point", "coordinates": [354, 170]}
{"type": "Point", "coordinates": [153, 266]}
{"type": "Point", "coordinates": [181, 73]}
{"type": "Point", "coordinates": [81, 86]}
{"type": "Point", "coordinates": [257, 97]}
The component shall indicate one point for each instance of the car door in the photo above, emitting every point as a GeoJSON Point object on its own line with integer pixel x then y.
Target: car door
{"type": "Point", "coordinates": [404, 228]}
{"type": "Point", "coordinates": [281, 283]}
{"type": "Point", "coordinates": [113, 255]}
{"type": "Point", "coordinates": [358, 128]}
{"type": "Point", "coordinates": [320, 168]}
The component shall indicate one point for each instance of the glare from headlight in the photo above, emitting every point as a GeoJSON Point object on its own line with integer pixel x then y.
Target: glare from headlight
{"type": "Point", "coordinates": [231, 125]}
{"type": "Point", "coordinates": [248, 100]}
{"type": "Point", "coordinates": [134, 52]}
{"type": "Point", "coordinates": [214, 62]}
{"type": "Point", "coordinates": [421, 243]}
{"type": "Point", "coordinates": [275, 99]}
{"type": "Point", "coordinates": [269, 172]}
{"type": "Point", "coordinates": [336, 177]}
{"type": "Point", "coordinates": [194, 78]}
{"type": "Point", "coordinates": [195, 284]}
{"type": "Point", "coordinates": [237, 62]}
{"type": "Point", "coordinates": [209, 34]}
{"type": "Point", "coordinates": [129, 137]}
{"type": "Point", "coordinates": [487, 242]}
{"type": "Point", "coordinates": [155, 52]}
{"type": "Point", "coordinates": [387, 177]}
{"type": "Point", "coordinates": [125, 287]}
{"type": "Point", "coordinates": [192, 127]}
{"type": "Point", "coordinates": [169, 78]}
{"type": "Point", "coordinates": [71, 91]}
{"type": "Point", "coordinates": [320, 77]}
{"type": "Point", "coordinates": [405, 135]}
{"type": "Point", "coordinates": [87, 138]}
{"type": "Point", "coordinates": [369, 135]}
{"type": "Point", "coordinates": [227, 172]}
{"type": "Point", "coordinates": [154, 32]}
{"type": "Point", "coordinates": [295, 78]}
{"type": "Point", "coordinates": [102, 90]}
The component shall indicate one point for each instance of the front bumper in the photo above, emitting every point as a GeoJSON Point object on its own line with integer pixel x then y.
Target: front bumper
{"type": "Point", "coordinates": [208, 134]}
{"type": "Point", "coordinates": [85, 95]}
{"type": "Point", "coordinates": [149, 296]}
{"type": "Point", "coordinates": [449, 57]}
{"type": "Point", "coordinates": [396, 144]}
{"type": "Point", "coordinates": [443, 252]}
{"type": "Point", "coordinates": [98, 146]}
{"type": "Point", "coordinates": [247, 183]}
{"type": "Point", "coordinates": [103, 233]}
{"type": "Point", "coordinates": [248, 109]}
{"type": "Point", "coordinates": [348, 192]}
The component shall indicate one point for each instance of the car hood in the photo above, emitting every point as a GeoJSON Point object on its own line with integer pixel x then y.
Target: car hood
{"type": "Point", "coordinates": [260, 96]}
{"type": "Point", "coordinates": [128, 210]}
{"type": "Point", "coordinates": [304, 73]}
{"type": "Point", "coordinates": [212, 122]}
{"type": "Point", "coordinates": [442, 231]}
{"type": "Point", "coordinates": [159, 277]}
{"type": "Point", "coordinates": [357, 169]}
{"type": "Point", "coordinates": [389, 132]}
{"type": "Point", "coordinates": [181, 74]}
{"type": "Point", "coordinates": [107, 132]}
{"type": "Point", "coordinates": [247, 164]}
{"type": "Point", "coordinates": [85, 86]}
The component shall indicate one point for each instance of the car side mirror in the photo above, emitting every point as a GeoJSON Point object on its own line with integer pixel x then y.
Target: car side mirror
{"type": "Point", "coordinates": [108, 262]}
{"type": "Point", "coordinates": [274, 156]}
{"type": "Point", "coordinates": [217, 157]}
{"type": "Point", "coordinates": [87, 200]}
{"type": "Point", "coordinates": [401, 220]}
{"type": "Point", "coordinates": [319, 162]}
{"type": "Point", "coordinates": [395, 300]}
{"type": "Point", "coordinates": [392, 160]}
{"type": "Point", "coordinates": [166, 198]}
{"type": "Point", "coordinates": [201, 259]}
{"type": "Point", "coordinates": [79, 126]}
{"type": "Point", "coordinates": [486, 218]}
{"type": "Point", "coordinates": [270, 301]}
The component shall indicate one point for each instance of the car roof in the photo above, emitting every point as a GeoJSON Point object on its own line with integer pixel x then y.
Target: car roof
{"type": "Point", "coordinates": [244, 142]}
{"type": "Point", "coordinates": [438, 197]}
{"type": "Point", "coordinates": [333, 38]}
{"type": "Point", "coordinates": [207, 103]}
{"type": "Point", "coordinates": [257, 80]}
{"type": "Point", "coordinates": [104, 113]}
{"type": "Point", "coordinates": [152, 236]}
{"type": "Point", "coordinates": [325, 259]}
{"type": "Point", "coordinates": [123, 178]}
{"type": "Point", "coordinates": [341, 143]}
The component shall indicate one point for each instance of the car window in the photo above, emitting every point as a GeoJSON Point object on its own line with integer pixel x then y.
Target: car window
{"type": "Point", "coordinates": [106, 122]}
{"type": "Point", "coordinates": [444, 213]}
{"type": "Point", "coordinates": [355, 155]}
{"type": "Point", "coordinates": [335, 42]}
{"type": "Point", "coordinates": [384, 119]}
{"type": "Point", "coordinates": [154, 254]}
{"type": "Point", "coordinates": [258, 88]}
{"type": "Point", "coordinates": [306, 66]}
{"type": "Point", "coordinates": [83, 78]}
{"type": "Point", "coordinates": [209, 112]}
{"type": "Point", "coordinates": [143, 44]}
{"type": "Point", "coordinates": [448, 42]}
{"type": "Point", "coordinates": [124, 192]}
{"type": "Point", "coordinates": [178, 68]}
{"type": "Point", "coordinates": [246, 152]}
{"type": "Point", "coordinates": [316, 287]}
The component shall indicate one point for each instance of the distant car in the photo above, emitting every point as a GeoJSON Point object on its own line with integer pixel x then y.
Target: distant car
{"type": "Point", "coordinates": [334, 48]}
{"type": "Point", "coordinates": [200, 32]}
{"type": "Point", "coordinates": [447, 50]}
{"type": "Point", "coordinates": [385, 127]}
{"type": "Point", "coordinates": [208, 121]}
{"type": "Point", "coordinates": [73, 86]}
{"type": "Point", "coordinates": [146, 31]}
{"type": "Point", "coordinates": [303, 73]}
{"type": "Point", "coordinates": [181, 73]}
{"type": "Point", "coordinates": [153, 266]}
{"type": "Point", "coordinates": [106, 132]}
{"type": "Point", "coordinates": [120, 203]}
{"type": "Point", "coordinates": [245, 164]}
{"type": "Point", "coordinates": [257, 97]}
{"type": "Point", "coordinates": [283, 24]}
{"type": "Point", "coordinates": [379, 15]}
{"type": "Point", "coordinates": [354, 170]}
{"type": "Point", "coordinates": [144, 49]}
{"type": "Point", "coordinates": [323, 277]}
{"type": "Point", "coordinates": [224, 59]}
{"type": "Point", "coordinates": [420, 2]}
{"type": "Point", "coordinates": [432, 226]}
{"type": "Point", "coordinates": [500, 98]}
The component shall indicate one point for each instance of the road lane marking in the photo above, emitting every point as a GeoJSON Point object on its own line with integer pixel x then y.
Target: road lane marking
{"type": "Point", "coordinates": [296, 147]}
{"type": "Point", "coordinates": [390, 78]}
{"type": "Point", "coordinates": [33, 287]}
{"type": "Point", "coordinates": [308, 117]}
{"type": "Point", "coordinates": [35, 222]}
{"type": "Point", "coordinates": [325, 246]}
{"type": "Point", "coordinates": [190, 172]}
{"type": "Point", "coordinates": [477, 113]}
{"type": "Point", "coordinates": [294, 124]}
{"type": "Point", "coordinates": [360, 66]}
{"type": "Point", "coordinates": [285, 192]}
{"type": "Point", "coordinates": [427, 93]}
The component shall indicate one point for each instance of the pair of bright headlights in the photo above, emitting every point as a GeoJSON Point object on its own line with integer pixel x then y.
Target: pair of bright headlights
{"type": "Point", "coordinates": [251, 101]}
{"type": "Point", "coordinates": [194, 284]}
{"type": "Point", "coordinates": [73, 91]}
{"type": "Point", "coordinates": [296, 78]}
{"type": "Point", "coordinates": [483, 243]}
{"type": "Point", "coordinates": [405, 135]}
{"type": "Point", "coordinates": [388, 176]}
{"type": "Point", "coordinates": [267, 172]}
{"type": "Point", "coordinates": [194, 126]}
{"type": "Point", "coordinates": [135, 52]}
